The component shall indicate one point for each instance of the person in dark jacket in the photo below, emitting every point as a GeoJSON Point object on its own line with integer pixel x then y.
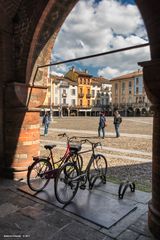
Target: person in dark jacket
{"type": "Point", "coordinates": [45, 122]}
{"type": "Point", "coordinates": [102, 124]}
{"type": "Point", "coordinates": [117, 122]}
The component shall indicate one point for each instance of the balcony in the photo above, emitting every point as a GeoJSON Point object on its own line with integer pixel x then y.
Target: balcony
{"type": "Point", "coordinates": [88, 95]}
{"type": "Point", "coordinates": [80, 95]}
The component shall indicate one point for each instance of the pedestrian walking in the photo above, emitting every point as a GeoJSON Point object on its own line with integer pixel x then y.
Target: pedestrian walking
{"type": "Point", "coordinates": [117, 122]}
{"type": "Point", "coordinates": [102, 125]}
{"type": "Point", "coordinates": [45, 122]}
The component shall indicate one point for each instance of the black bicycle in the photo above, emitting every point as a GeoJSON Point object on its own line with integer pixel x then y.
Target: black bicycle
{"type": "Point", "coordinates": [44, 168]}
{"type": "Point", "coordinates": [70, 177]}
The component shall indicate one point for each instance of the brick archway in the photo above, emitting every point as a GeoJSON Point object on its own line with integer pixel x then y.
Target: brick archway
{"type": "Point", "coordinates": [28, 29]}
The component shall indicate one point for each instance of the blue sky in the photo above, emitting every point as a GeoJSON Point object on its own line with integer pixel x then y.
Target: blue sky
{"type": "Point", "coordinates": [99, 26]}
{"type": "Point", "coordinates": [127, 2]}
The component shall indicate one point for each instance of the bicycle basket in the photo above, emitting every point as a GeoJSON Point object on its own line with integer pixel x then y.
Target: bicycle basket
{"type": "Point", "coordinates": [74, 147]}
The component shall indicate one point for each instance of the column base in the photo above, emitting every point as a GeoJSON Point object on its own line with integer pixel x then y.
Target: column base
{"type": "Point", "coordinates": [154, 221]}
{"type": "Point", "coordinates": [14, 174]}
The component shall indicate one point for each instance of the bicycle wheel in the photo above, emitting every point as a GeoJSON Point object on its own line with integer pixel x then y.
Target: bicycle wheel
{"type": "Point", "coordinates": [36, 178]}
{"type": "Point", "coordinates": [77, 158]}
{"type": "Point", "coordinates": [97, 170]}
{"type": "Point", "coordinates": [65, 185]}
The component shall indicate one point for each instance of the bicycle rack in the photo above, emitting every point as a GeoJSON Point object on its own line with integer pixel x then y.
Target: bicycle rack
{"type": "Point", "coordinates": [123, 187]}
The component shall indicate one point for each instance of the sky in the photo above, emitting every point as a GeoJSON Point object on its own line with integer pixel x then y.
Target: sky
{"type": "Point", "coordinates": [96, 26]}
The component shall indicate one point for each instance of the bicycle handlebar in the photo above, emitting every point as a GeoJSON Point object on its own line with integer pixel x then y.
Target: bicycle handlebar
{"type": "Point", "coordinates": [65, 135]}
{"type": "Point", "coordinates": [94, 145]}
{"type": "Point", "coordinates": [62, 135]}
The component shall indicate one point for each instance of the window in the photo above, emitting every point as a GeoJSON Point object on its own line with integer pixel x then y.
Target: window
{"type": "Point", "coordinates": [81, 90]}
{"type": "Point", "coordinates": [98, 102]}
{"type": "Point", "coordinates": [137, 81]}
{"type": "Point", "coordinates": [116, 88]}
{"type": "Point", "coordinates": [73, 101]}
{"type": "Point", "coordinates": [64, 100]}
{"type": "Point", "coordinates": [143, 99]}
{"type": "Point", "coordinates": [98, 93]}
{"type": "Point", "coordinates": [93, 93]}
{"type": "Point", "coordinates": [130, 87]}
{"type": "Point", "coordinates": [88, 91]}
{"type": "Point", "coordinates": [137, 90]}
{"type": "Point", "coordinates": [64, 91]}
{"type": "Point", "coordinates": [80, 102]}
{"type": "Point", "coordinates": [84, 81]}
{"type": "Point", "coordinates": [93, 102]}
{"type": "Point", "coordinates": [88, 103]}
{"type": "Point", "coordinates": [73, 92]}
{"type": "Point", "coordinates": [80, 81]}
{"type": "Point", "coordinates": [136, 99]}
{"type": "Point", "coordinates": [123, 88]}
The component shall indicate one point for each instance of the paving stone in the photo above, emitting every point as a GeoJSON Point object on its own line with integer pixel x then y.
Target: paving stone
{"type": "Point", "coordinates": [32, 212]}
{"type": "Point", "coordinates": [42, 231]}
{"type": "Point", "coordinates": [22, 201]}
{"type": "Point", "coordinates": [141, 226]}
{"type": "Point", "coordinates": [15, 224]}
{"type": "Point", "coordinates": [138, 196]}
{"type": "Point", "coordinates": [58, 219]}
{"type": "Point", "coordinates": [79, 231]}
{"type": "Point", "coordinates": [7, 195]}
{"type": "Point", "coordinates": [144, 238]}
{"type": "Point", "coordinates": [121, 226]}
{"type": "Point", "coordinates": [128, 234]}
{"type": "Point", "coordinates": [63, 236]}
{"type": "Point", "coordinates": [6, 209]}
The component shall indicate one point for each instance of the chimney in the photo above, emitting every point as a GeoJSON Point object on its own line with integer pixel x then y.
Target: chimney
{"type": "Point", "coordinates": [73, 69]}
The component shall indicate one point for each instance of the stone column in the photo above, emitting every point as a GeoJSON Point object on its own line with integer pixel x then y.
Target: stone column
{"type": "Point", "coordinates": [22, 127]}
{"type": "Point", "coordinates": [151, 72]}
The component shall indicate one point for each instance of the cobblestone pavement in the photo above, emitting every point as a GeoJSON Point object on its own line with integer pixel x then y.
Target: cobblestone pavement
{"type": "Point", "coordinates": [129, 157]}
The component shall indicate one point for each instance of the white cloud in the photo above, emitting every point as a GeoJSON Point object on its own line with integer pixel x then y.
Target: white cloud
{"type": "Point", "coordinates": [99, 27]}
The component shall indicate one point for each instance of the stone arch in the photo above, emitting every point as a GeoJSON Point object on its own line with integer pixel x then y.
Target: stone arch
{"type": "Point", "coordinates": [144, 112]}
{"type": "Point", "coordinates": [25, 34]}
{"type": "Point", "coordinates": [137, 112]}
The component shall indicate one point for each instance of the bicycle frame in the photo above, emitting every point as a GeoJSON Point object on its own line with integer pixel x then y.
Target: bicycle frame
{"type": "Point", "coordinates": [53, 172]}
{"type": "Point", "coordinates": [84, 173]}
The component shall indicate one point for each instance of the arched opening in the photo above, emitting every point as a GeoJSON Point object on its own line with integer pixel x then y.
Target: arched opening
{"type": "Point", "coordinates": [29, 48]}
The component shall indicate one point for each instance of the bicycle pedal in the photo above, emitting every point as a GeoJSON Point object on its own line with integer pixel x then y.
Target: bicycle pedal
{"type": "Point", "coordinates": [83, 187]}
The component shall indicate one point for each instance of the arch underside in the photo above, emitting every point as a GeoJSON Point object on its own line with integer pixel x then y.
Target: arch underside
{"type": "Point", "coordinates": [28, 29]}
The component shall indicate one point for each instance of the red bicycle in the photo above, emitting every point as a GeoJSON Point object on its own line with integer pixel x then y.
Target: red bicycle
{"type": "Point", "coordinates": [44, 168]}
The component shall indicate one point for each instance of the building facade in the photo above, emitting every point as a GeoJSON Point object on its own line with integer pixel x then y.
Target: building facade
{"type": "Point", "coordinates": [129, 96]}
{"type": "Point", "coordinates": [94, 93]}
{"type": "Point", "coordinates": [101, 95]}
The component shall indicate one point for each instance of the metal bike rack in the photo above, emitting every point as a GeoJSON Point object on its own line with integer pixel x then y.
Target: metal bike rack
{"type": "Point", "coordinates": [123, 187]}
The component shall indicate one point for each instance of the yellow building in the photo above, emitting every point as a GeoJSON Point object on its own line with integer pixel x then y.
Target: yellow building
{"type": "Point", "coordinates": [128, 94]}
{"type": "Point", "coordinates": [84, 87]}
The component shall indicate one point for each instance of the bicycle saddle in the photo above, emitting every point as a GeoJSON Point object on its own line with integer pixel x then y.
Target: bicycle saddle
{"type": "Point", "coordinates": [49, 146]}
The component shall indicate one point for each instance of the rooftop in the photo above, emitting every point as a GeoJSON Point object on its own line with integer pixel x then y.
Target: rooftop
{"type": "Point", "coordinates": [129, 75]}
